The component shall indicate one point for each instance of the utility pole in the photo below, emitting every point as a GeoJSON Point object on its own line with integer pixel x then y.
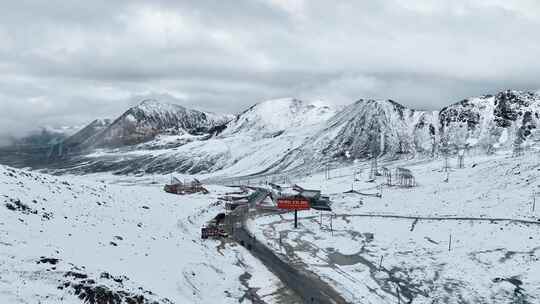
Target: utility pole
{"type": "Point", "coordinates": [446, 166]}
{"type": "Point", "coordinates": [374, 170]}
{"type": "Point", "coordinates": [295, 219]}
{"type": "Point", "coordinates": [450, 242]}
{"type": "Point", "coordinates": [331, 227]}
{"type": "Point", "coordinates": [534, 200]}
{"type": "Point", "coordinates": [461, 162]}
{"type": "Point", "coordinates": [357, 173]}
{"type": "Point", "coordinates": [327, 171]}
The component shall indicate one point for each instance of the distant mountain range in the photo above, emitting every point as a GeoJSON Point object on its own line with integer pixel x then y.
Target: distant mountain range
{"type": "Point", "coordinates": [284, 134]}
{"type": "Point", "coordinates": [45, 136]}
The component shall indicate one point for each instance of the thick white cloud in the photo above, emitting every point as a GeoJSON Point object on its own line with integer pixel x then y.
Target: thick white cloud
{"type": "Point", "coordinates": [67, 62]}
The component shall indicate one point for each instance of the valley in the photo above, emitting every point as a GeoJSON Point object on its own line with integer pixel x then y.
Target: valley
{"type": "Point", "coordinates": [427, 207]}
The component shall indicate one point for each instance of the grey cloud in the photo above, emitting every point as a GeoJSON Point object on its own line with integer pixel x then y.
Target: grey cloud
{"type": "Point", "coordinates": [68, 62]}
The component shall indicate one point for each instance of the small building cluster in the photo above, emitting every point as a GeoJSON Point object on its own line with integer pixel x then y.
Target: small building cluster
{"type": "Point", "coordinates": [178, 187]}
{"type": "Point", "coordinates": [239, 203]}
{"type": "Point", "coordinates": [316, 200]}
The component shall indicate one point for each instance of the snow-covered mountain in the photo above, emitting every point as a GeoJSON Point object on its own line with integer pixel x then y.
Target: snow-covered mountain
{"type": "Point", "coordinates": [92, 129]}
{"type": "Point", "coordinates": [487, 122]}
{"type": "Point", "coordinates": [253, 141]}
{"type": "Point", "coordinates": [273, 117]}
{"type": "Point", "coordinates": [372, 128]}
{"type": "Point", "coordinates": [46, 135]}
{"type": "Point", "coordinates": [364, 129]}
{"type": "Point", "coordinates": [283, 134]}
{"type": "Point", "coordinates": [387, 129]}
{"type": "Point", "coordinates": [150, 118]}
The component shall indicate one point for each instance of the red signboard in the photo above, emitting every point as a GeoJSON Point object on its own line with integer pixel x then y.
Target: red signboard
{"type": "Point", "coordinates": [293, 203]}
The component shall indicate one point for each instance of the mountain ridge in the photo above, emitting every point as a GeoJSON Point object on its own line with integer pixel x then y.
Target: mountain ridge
{"type": "Point", "coordinates": [287, 133]}
{"type": "Point", "coordinates": [149, 118]}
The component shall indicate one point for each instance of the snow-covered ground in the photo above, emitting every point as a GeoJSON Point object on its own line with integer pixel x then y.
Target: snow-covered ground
{"type": "Point", "coordinates": [486, 209]}
{"type": "Point", "coordinates": [70, 237]}
{"type": "Point", "coordinates": [67, 237]}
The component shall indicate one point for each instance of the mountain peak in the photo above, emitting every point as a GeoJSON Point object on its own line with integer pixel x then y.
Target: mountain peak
{"type": "Point", "coordinates": [148, 102]}
{"type": "Point", "coordinates": [155, 106]}
{"type": "Point", "coordinates": [278, 115]}
{"type": "Point", "coordinates": [380, 102]}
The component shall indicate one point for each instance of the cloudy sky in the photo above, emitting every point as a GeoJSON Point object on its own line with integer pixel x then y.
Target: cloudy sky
{"type": "Point", "coordinates": [67, 62]}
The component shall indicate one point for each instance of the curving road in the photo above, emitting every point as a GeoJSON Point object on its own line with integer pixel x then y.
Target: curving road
{"type": "Point", "coordinates": [305, 284]}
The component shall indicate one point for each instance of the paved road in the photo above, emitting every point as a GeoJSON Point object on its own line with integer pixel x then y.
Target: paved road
{"type": "Point", "coordinates": [306, 285]}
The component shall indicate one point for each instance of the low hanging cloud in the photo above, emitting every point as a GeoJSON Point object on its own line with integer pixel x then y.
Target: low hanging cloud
{"type": "Point", "coordinates": [68, 62]}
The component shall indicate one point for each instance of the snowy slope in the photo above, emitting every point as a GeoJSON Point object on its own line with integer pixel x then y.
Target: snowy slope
{"type": "Point", "coordinates": [374, 249]}
{"type": "Point", "coordinates": [62, 239]}
{"type": "Point", "coordinates": [90, 130]}
{"type": "Point", "coordinates": [370, 128]}
{"type": "Point", "coordinates": [367, 128]}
